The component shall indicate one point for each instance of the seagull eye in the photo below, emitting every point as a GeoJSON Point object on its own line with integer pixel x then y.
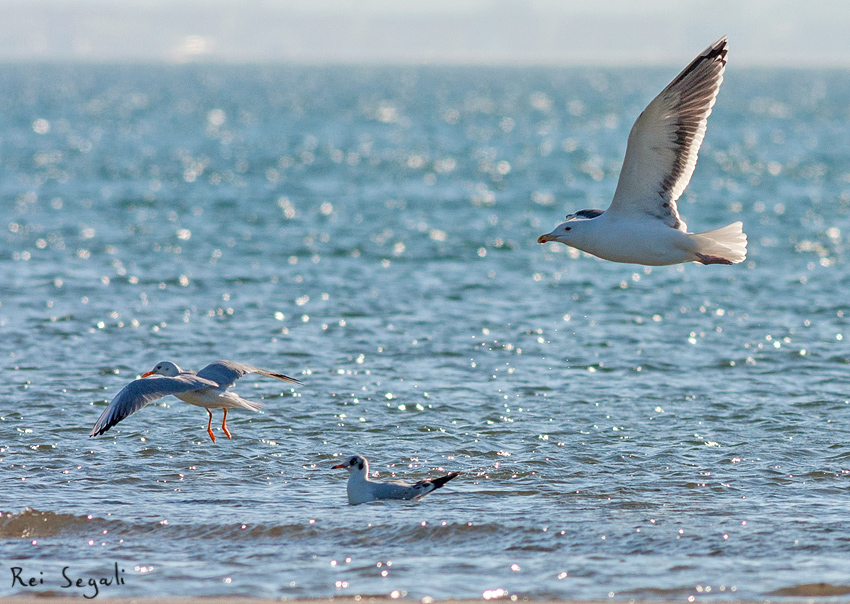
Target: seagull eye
{"type": "Point", "coordinates": [567, 228]}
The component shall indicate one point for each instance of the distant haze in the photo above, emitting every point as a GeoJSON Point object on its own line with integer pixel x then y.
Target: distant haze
{"type": "Point", "coordinates": [605, 32]}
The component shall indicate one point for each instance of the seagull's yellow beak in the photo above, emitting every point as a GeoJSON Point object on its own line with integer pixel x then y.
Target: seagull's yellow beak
{"type": "Point", "coordinates": [545, 238]}
{"type": "Point", "coordinates": [147, 374]}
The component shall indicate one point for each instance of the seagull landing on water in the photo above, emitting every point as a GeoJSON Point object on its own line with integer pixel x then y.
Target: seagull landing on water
{"type": "Point", "coordinates": [361, 489]}
{"type": "Point", "coordinates": [208, 388]}
{"type": "Point", "coordinates": [642, 225]}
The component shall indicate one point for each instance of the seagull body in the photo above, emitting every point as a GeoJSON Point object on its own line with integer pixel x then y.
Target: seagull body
{"type": "Point", "coordinates": [361, 489]}
{"type": "Point", "coordinates": [642, 225]}
{"type": "Point", "coordinates": [208, 388]}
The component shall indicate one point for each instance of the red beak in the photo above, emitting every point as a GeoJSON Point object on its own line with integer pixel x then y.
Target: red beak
{"type": "Point", "coordinates": [339, 465]}
{"type": "Point", "coordinates": [147, 374]}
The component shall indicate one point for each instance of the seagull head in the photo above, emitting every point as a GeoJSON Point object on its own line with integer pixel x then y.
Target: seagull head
{"type": "Point", "coordinates": [166, 368]}
{"type": "Point", "coordinates": [573, 229]}
{"type": "Point", "coordinates": [355, 463]}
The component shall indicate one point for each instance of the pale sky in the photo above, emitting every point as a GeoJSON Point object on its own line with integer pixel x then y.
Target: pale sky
{"type": "Point", "coordinates": [492, 32]}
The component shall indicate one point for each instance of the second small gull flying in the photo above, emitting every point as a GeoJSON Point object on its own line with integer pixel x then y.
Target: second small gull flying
{"type": "Point", "coordinates": [642, 224]}
{"type": "Point", "coordinates": [208, 388]}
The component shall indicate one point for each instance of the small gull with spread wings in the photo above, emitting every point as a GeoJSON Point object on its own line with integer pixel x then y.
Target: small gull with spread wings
{"type": "Point", "coordinates": [642, 225]}
{"type": "Point", "coordinates": [208, 388]}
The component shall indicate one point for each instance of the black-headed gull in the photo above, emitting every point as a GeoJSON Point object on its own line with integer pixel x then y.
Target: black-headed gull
{"type": "Point", "coordinates": [361, 489]}
{"type": "Point", "coordinates": [642, 225]}
{"type": "Point", "coordinates": [208, 388]}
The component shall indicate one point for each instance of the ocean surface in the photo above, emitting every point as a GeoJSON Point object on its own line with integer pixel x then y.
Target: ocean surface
{"type": "Point", "coordinates": [678, 432]}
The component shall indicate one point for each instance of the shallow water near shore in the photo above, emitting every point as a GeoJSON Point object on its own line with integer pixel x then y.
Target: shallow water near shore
{"type": "Point", "coordinates": [622, 431]}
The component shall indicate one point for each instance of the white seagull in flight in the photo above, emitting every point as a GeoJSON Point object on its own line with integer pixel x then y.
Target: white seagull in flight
{"type": "Point", "coordinates": [642, 225]}
{"type": "Point", "coordinates": [208, 388]}
{"type": "Point", "coordinates": [361, 489]}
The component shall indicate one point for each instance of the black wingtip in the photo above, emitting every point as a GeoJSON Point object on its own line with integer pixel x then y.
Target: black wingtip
{"type": "Point", "coordinates": [285, 378]}
{"type": "Point", "coordinates": [718, 49]}
{"type": "Point", "coordinates": [715, 52]}
{"type": "Point", "coordinates": [109, 423]}
{"type": "Point", "coordinates": [438, 482]}
{"type": "Point", "coordinates": [102, 429]}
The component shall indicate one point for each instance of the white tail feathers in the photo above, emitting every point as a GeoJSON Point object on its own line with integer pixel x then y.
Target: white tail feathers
{"type": "Point", "coordinates": [252, 405]}
{"type": "Point", "coordinates": [726, 245]}
{"type": "Point", "coordinates": [238, 401]}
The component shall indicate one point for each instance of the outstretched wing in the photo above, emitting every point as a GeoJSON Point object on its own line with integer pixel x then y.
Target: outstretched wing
{"type": "Point", "coordinates": [225, 373]}
{"type": "Point", "coordinates": [664, 142]}
{"type": "Point", "coordinates": [142, 392]}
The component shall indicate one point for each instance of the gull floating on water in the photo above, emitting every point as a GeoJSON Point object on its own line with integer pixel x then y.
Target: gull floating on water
{"type": "Point", "coordinates": [208, 388]}
{"type": "Point", "coordinates": [642, 225]}
{"type": "Point", "coordinates": [361, 489]}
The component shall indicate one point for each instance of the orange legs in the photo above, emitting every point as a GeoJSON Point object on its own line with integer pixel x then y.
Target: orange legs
{"type": "Point", "coordinates": [223, 427]}
{"type": "Point", "coordinates": [209, 426]}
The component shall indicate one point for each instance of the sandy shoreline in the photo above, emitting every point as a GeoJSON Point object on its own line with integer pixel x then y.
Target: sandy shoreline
{"type": "Point", "coordinates": [812, 592]}
{"type": "Point", "coordinates": [52, 599]}
{"type": "Point", "coordinates": [35, 598]}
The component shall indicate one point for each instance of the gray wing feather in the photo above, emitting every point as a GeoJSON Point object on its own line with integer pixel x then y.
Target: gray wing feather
{"type": "Point", "coordinates": [416, 490]}
{"type": "Point", "coordinates": [664, 142]}
{"type": "Point", "coordinates": [142, 392]}
{"type": "Point", "coordinates": [225, 373]}
{"type": "Point", "coordinates": [394, 490]}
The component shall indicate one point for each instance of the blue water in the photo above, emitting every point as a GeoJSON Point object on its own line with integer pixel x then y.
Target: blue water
{"type": "Point", "coordinates": [626, 432]}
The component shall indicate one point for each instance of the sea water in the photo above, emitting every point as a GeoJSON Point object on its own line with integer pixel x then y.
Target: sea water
{"type": "Point", "coordinates": [623, 431]}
